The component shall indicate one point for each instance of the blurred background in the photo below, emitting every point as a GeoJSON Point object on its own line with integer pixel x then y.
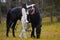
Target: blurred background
{"type": "Point", "coordinates": [49, 10]}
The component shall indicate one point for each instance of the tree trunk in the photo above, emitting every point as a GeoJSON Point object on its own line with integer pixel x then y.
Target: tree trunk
{"type": "Point", "coordinates": [0, 16]}
{"type": "Point", "coordinates": [0, 11]}
{"type": "Point", "coordinates": [51, 17]}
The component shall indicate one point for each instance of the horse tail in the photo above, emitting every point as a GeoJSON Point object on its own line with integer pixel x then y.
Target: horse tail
{"type": "Point", "coordinates": [8, 17]}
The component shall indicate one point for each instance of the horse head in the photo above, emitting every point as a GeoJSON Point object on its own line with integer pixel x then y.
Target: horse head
{"type": "Point", "coordinates": [31, 9]}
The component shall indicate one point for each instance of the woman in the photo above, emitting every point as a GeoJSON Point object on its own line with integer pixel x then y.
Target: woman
{"type": "Point", "coordinates": [24, 21]}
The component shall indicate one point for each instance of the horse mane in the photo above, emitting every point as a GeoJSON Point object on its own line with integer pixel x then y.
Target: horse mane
{"type": "Point", "coordinates": [16, 8]}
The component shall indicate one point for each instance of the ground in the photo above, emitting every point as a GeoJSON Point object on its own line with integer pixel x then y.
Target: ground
{"type": "Point", "coordinates": [50, 31]}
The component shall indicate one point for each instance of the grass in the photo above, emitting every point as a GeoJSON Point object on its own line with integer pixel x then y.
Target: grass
{"type": "Point", "coordinates": [50, 31]}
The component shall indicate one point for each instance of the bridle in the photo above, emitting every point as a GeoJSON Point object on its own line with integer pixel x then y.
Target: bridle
{"type": "Point", "coordinates": [32, 9]}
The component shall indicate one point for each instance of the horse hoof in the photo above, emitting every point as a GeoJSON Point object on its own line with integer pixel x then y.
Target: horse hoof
{"type": "Point", "coordinates": [6, 35]}
{"type": "Point", "coordinates": [32, 36]}
{"type": "Point", "coordinates": [38, 37]}
{"type": "Point", "coordinates": [13, 36]}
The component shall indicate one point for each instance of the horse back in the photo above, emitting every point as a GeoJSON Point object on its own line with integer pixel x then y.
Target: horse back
{"type": "Point", "coordinates": [14, 13]}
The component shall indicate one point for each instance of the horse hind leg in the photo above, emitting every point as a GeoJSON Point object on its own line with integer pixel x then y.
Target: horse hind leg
{"type": "Point", "coordinates": [32, 33]}
{"type": "Point", "coordinates": [13, 27]}
{"type": "Point", "coordinates": [8, 27]}
{"type": "Point", "coordinates": [38, 31]}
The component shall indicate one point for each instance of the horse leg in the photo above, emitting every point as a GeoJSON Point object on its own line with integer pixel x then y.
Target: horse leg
{"type": "Point", "coordinates": [8, 27]}
{"type": "Point", "coordinates": [38, 31]}
{"type": "Point", "coordinates": [32, 33]}
{"type": "Point", "coordinates": [13, 27]}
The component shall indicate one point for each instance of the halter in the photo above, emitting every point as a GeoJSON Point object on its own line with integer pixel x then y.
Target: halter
{"type": "Point", "coordinates": [33, 9]}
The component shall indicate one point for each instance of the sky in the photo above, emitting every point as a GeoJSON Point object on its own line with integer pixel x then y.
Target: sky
{"type": "Point", "coordinates": [3, 1]}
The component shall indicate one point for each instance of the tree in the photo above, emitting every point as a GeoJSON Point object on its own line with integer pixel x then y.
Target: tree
{"type": "Point", "coordinates": [0, 15]}
{"type": "Point", "coordinates": [57, 8]}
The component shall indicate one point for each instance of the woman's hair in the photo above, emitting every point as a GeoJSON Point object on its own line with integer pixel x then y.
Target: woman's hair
{"type": "Point", "coordinates": [24, 6]}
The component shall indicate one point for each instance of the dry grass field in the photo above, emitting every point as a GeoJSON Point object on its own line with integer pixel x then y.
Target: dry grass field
{"type": "Point", "coordinates": [50, 31]}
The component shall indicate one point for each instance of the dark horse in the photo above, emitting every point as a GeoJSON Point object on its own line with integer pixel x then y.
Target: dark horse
{"type": "Point", "coordinates": [15, 14]}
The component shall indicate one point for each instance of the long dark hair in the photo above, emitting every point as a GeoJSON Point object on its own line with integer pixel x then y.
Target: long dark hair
{"type": "Point", "coordinates": [24, 6]}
